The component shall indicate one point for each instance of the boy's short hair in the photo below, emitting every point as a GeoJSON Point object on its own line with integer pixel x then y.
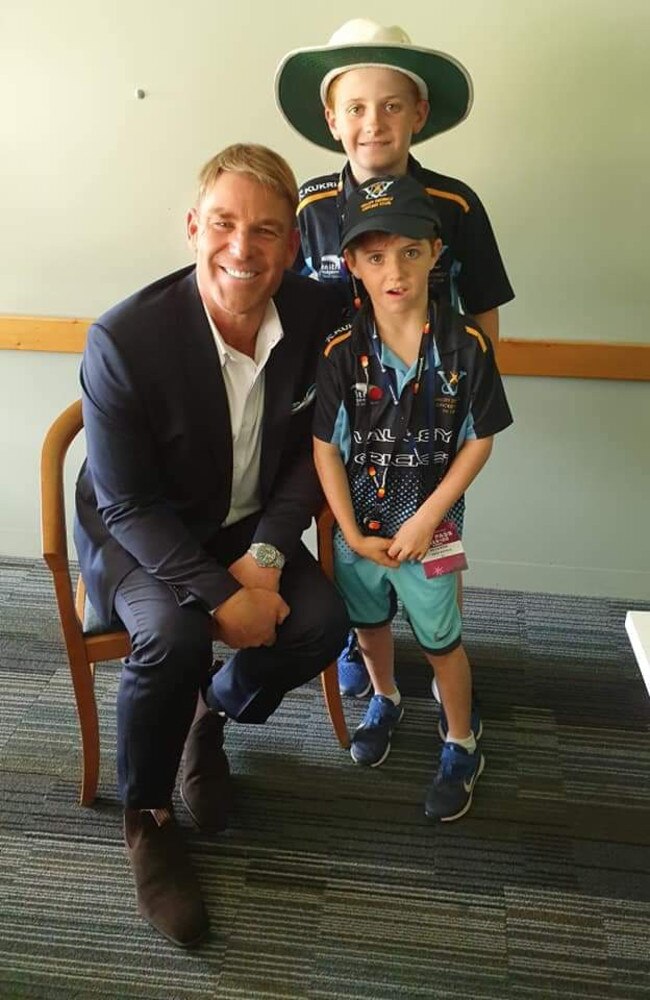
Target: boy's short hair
{"type": "Point", "coordinates": [330, 88]}
{"type": "Point", "coordinates": [400, 206]}
{"type": "Point", "coordinates": [262, 163]}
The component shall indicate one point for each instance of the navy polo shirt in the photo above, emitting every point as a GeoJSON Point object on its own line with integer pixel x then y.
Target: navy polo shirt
{"type": "Point", "coordinates": [461, 397]}
{"type": "Point", "coordinates": [469, 274]}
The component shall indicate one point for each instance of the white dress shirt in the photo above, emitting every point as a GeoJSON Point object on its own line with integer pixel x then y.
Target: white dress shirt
{"type": "Point", "coordinates": [244, 381]}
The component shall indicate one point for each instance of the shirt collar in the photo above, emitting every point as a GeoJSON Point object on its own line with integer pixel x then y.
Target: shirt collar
{"type": "Point", "coordinates": [269, 335]}
{"type": "Point", "coordinates": [348, 184]}
{"type": "Point", "coordinates": [447, 332]}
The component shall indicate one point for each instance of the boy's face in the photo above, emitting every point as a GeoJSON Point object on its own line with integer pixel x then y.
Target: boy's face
{"type": "Point", "coordinates": [394, 270]}
{"type": "Point", "coordinates": [374, 112]}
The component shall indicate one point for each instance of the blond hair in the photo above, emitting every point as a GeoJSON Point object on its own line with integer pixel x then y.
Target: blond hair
{"type": "Point", "coordinates": [262, 163]}
{"type": "Point", "coordinates": [330, 96]}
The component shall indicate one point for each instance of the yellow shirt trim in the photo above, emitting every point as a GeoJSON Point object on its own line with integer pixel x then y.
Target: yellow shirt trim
{"type": "Point", "coordinates": [315, 197]}
{"type": "Point", "coordinates": [450, 197]}
{"type": "Point", "coordinates": [337, 340]}
{"type": "Point", "coordinates": [479, 336]}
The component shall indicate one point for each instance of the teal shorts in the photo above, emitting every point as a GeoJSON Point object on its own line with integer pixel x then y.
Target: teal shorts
{"type": "Point", "coordinates": [370, 592]}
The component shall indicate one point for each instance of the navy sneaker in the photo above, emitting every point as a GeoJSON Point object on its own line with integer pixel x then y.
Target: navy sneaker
{"type": "Point", "coordinates": [354, 679]}
{"type": "Point", "coordinates": [450, 794]}
{"type": "Point", "coordinates": [371, 740]}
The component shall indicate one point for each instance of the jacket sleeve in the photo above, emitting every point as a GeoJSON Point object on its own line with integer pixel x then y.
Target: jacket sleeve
{"type": "Point", "coordinates": [125, 468]}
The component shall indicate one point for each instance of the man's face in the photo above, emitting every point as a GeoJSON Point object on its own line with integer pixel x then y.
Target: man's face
{"type": "Point", "coordinates": [243, 235]}
{"type": "Point", "coordinates": [374, 113]}
{"type": "Point", "coordinates": [394, 271]}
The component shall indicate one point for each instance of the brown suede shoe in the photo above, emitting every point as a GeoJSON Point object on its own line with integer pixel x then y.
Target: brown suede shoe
{"type": "Point", "coordinates": [167, 891]}
{"type": "Point", "coordinates": [206, 789]}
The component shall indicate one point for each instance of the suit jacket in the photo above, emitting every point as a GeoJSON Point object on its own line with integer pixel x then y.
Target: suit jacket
{"type": "Point", "coordinates": [155, 487]}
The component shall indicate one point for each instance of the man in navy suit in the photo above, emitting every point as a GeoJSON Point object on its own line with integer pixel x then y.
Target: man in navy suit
{"type": "Point", "coordinates": [199, 482]}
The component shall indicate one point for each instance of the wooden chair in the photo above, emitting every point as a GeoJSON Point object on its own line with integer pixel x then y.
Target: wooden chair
{"type": "Point", "coordinates": [88, 643]}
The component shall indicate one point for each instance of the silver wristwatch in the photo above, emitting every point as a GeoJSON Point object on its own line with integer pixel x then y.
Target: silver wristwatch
{"type": "Point", "coordinates": [266, 555]}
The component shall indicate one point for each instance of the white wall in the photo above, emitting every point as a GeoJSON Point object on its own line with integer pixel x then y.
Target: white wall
{"type": "Point", "coordinates": [94, 185]}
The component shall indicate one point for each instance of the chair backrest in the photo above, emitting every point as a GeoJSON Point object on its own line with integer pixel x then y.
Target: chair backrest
{"type": "Point", "coordinates": [55, 447]}
{"type": "Point", "coordinates": [53, 522]}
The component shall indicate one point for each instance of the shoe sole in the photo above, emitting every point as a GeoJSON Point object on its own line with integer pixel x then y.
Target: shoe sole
{"type": "Point", "coordinates": [450, 819]}
{"type": "Point", "coordinates": [376, 763]}
{"type": "Point", "coordinates": [179, 944]}
{"type": "Point", "coordinates": [443, 736]}
{"type": "Point", "coordinates": [362, 763]}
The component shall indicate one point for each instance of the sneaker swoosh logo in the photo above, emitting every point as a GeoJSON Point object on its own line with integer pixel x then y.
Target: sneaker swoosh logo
{"type": "Point", "coordinates": [468, 786]}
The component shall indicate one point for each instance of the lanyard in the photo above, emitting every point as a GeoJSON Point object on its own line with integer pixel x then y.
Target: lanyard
{"type": "Point", "coordinates": [404, 404]}
{"type": "Point", "coordinates": [389, 377]}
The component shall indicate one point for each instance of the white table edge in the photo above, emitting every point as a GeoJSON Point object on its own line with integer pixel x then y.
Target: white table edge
{"type": "Point", "coordinates": [637, 626]}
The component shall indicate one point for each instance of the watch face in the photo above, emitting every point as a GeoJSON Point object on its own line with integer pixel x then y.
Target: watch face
{"type": "Point", "coordinates": [267, 556]}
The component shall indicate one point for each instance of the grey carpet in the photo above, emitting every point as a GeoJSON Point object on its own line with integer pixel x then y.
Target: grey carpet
{"type": "Point", "coordinates": [331, 883]}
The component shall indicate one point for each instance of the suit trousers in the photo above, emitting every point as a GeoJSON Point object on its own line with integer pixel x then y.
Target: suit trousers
{"type": "Point", "coordinates": [171, 660]}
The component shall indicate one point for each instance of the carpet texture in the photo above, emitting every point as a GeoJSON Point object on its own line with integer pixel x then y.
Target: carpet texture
{"type": "Point", "coordinates": [331, 884]}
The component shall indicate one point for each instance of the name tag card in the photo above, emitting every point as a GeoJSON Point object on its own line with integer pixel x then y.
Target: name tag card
{"type": "Point", "coordinates": [446, 553]}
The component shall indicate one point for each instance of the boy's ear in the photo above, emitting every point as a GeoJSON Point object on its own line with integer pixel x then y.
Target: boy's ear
{"type": "Point", "coordinates": [348, 257]}
{"type": "Point", "coordinates": [421, 115]}
{"type": "Point", "coordinates": [436, 250]}
{"type": "Point", "coordinates": [330, 118]}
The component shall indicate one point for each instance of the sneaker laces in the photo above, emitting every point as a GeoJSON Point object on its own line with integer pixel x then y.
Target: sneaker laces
{"type": "Point", "coordinates": [455, 763]}
{"type": "Point", "coordinates": [378, 711]}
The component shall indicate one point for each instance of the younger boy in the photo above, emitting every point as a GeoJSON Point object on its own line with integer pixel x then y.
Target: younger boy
{"type": "Point", "coordinates": [380, 95]}
{"type": "Point", "coordinates": [408, 400]}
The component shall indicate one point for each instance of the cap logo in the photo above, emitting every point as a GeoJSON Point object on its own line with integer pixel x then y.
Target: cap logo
{"type": "Point", "coordinates": [376, 196]}
{"type": "Point", "coordinates": [378, 189]}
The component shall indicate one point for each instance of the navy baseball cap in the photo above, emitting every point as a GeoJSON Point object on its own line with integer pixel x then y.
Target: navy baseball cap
{"type": "Point", "coordinates": [396, 205]}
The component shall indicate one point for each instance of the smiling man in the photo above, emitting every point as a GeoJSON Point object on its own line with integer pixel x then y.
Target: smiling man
{"type": "Point", "coordinates": [199, 481]}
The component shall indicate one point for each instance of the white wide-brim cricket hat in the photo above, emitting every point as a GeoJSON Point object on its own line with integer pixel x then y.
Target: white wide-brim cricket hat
{"type": "Point", "coordinates": [304, 75]}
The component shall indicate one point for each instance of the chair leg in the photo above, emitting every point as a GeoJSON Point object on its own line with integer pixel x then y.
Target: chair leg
{"type": "Point", "coordinates": [330, 682]}
{"type": "Point", "coordinates": [84, 692]}
{"type": "Point", "coordinates": [89, 726]}
{"type": "Point", "coordinates": [80, 608]}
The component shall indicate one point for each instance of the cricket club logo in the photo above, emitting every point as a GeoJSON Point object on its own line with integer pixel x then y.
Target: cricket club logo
{"type": "Point", "coordinates": [363, 393]}
{"type": "Point", "coordinates": [377, 190]}
{"type": "Point", "coordinates": [451, 382]}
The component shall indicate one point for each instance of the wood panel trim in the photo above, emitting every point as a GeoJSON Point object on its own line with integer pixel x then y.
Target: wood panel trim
{"type": "Point", "coordinates": [540, 358]}
{"type": "Point", "coordinates": [575, 359]}
{"type": "Point", "coordinates": [43, 333]}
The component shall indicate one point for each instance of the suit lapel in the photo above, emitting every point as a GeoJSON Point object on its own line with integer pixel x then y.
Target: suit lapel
{"type": "Point", "coordinates": [278, 394]}
{"type": "Point", "coordinates": [207, 391]}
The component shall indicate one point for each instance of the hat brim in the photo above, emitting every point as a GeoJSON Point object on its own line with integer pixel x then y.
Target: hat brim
{"type": "Point", "coordinates": [299, 75]}
{"type": "Point", "coordinates": [412, 226]}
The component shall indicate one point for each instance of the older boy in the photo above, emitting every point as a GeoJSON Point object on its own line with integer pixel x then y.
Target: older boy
{"type": "Point", "coordinates": [380, 95]}
{"type": "Point", "coordinates": [408, 400]}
